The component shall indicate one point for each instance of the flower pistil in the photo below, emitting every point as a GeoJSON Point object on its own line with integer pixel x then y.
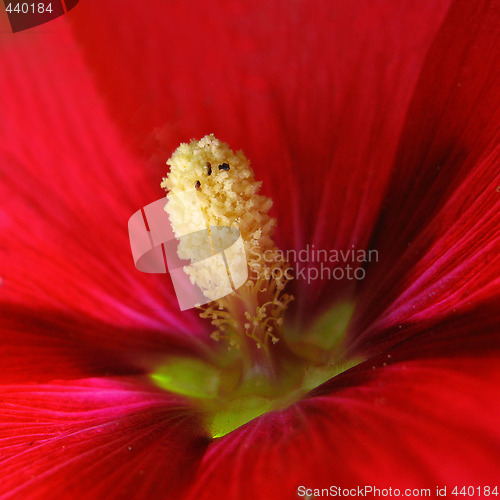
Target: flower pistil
{"type": "Point", "coordinates": [249, 318]}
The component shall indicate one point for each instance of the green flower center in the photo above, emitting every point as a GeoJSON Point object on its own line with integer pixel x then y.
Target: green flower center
{"type": "Point", "coordinates": [229, 398]}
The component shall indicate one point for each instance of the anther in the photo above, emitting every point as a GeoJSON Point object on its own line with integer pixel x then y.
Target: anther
{"type": "Point", "coordinates": [254, 314]}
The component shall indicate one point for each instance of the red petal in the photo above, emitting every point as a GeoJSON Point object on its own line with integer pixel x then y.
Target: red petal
{"type": "Point", "coordinates": [43, 346]}
{"type": "Point", "coordinates": [96, 439]}
{"type": "Point", "coordinates": [472, 330]}
{"type": "Point", "coordinates": [415, 424]}
{"type": "Point", "coordinates": [68, 187]}
{"type": "Point", "coordinates": [316, 97]}
{"type": "Point", "coordinates": [438, 240]}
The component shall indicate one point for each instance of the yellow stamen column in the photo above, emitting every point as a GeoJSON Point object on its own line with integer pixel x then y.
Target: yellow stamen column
{"type": "Point", "coordinates": [251, 318]}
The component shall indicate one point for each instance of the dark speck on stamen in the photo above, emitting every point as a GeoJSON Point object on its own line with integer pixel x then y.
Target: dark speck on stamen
{"type": "Point", "coordinates": [197, 185]}
{"type": "Point", "coordinates": [209, 168]}
{"type": "Point", "coordinates": [224, 166]}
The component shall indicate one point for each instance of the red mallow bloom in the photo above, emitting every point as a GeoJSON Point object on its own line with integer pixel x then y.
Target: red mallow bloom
{"type": "Point", "coordinates": [372, 124]}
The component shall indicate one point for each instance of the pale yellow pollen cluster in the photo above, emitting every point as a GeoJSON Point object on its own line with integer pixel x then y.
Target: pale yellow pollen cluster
{"type": "Point", "coordinates": [227, 193]}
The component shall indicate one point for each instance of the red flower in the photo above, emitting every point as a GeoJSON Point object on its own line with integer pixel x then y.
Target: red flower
{"type": "Point", "coordinates": [373, 124]}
